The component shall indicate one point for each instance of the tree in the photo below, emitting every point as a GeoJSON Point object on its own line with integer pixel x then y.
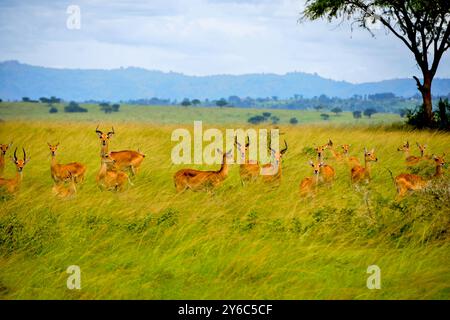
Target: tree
{"type": "Point", "coordinates": [336, 110]}
{"type": "Point", "coordinates": [274, 119]}
{"type": "Point", "coordinates": [369, 112]}
{"type": "Point", "coordinates": [293, 121]}
{"type": "Point", "coordinates": [115, 107]}
{"type": "Point", "coordinates": [74, 107]}
{"type": "Point", "coordinates": [325, 116]}
{"type": "Point", "coordinates": [195, 102]}
{"type": "Point", "coordinates": [256, 119]}
{"type": "Point", "coordinates": [105, 107]}
{"type": "Point", "coordinates": [318, 108]}
{"type": "Point", "coordinates": [357, 114]}
{"type": "Point", "coordinates": [221, 103]}
{"type": "Point", "coordinates": [266, 115]}
{"type": "Point", "coordinates": [423, 26]}
{"type": "Point", "coordinates": [26, 99]}
{"type": "Point", "coordinates": [185, 102]}
{"type": "Point", "coordinates": [53, 110]}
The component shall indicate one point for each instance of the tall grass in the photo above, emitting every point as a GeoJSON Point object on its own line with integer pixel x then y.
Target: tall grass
{"type": "Point", "coordinates": [252, 242]}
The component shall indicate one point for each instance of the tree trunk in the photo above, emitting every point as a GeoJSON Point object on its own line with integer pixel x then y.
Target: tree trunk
{"type": "Point", "coordinates": [426, 95]}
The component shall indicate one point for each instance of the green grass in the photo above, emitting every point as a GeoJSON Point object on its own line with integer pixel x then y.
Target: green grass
{"type": "Point", "coordinates": [252, 242]}
{"type": "Point", "coordinates": [177, 114]}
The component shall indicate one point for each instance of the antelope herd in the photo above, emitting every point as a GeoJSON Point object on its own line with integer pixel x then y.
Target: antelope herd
{"type": "Point", "coordinates": [116, 167]}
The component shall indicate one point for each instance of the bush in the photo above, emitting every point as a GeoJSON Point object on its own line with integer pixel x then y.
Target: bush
{"type": "Point", "coordinates": [256, 119]}
{"type": "Point", "coordinates": [325, 116]}
{"type": "Point", "coordinates": [293, 121]}
{"type": "Point", "coordinates": [417, 116]}
{"type": "Point", "coordinates": [357, 114]}
{"type": "Point", "coordinates": [369, 112]}
{"type": "Point", "coordinates": [74, 107]}
{"type": "Point", "coordinates": [53, 110]}
{"type": "Point", "coordinates": [336, 110]}
{"type": "Point", "coordinates": [274, 119]}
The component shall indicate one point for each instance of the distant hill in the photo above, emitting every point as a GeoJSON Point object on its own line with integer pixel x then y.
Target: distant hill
{"type": "Point", "coordinates": [18, 80]}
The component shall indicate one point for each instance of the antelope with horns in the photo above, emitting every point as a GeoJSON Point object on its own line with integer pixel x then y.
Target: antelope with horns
{"type": "Point", "coordinates": [125, 159]}
{"type": "Point", "coordinates": [308, 184]}
{"type": "Point", "coordinates": [61, 191]}
{"type": "Point", "coordinates": [3, 149]}
{"type": "Point", "coordinates": [360, 173]}
{"type": "Point", "coordinates": [327, 172]}
{"type": "Point", "coordinates": [202, 180]}
{"type": "Point", "coordinates": [60, 172]}
{"type": "Point", "coordinates": [13, 185]}
{"type": "Point", "coordinates": [273, 171]}
{"type": "Point", "coordinates": [249, 170]}
{"type": "Point", "coordinates": [413, 160]}
{"type": "Point", "coordinates": [108, 177]}
{"type": "Point", "coordinates": [407, 182]}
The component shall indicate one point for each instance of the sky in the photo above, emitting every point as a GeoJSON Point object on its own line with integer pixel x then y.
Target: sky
{"type": "Point", "coordinates": [199, 37]}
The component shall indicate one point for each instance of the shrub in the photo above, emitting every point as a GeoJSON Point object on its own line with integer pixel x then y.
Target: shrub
{"type": "Point", "coordinates": [53, 110]}
{"type": "Point", "coordinates": [369, 112]}
{"type": "Point", "coordinates": [256, 119]}
{"type": "Point", "coordinates": [325, 116]}
{"type": "Point", "coordinates": [336, 110]}
{"type": "Point", "coordinates": [74, 107]}
{"type": "Point", "coordinates": [293, 121]}
{"type": "Point", "coordinates": [357, 114]}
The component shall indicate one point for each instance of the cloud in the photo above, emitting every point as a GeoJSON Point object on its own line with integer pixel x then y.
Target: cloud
{"type": "Point", "coordinates": [199, 37]}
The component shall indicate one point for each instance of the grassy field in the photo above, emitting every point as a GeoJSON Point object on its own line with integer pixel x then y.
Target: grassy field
{"type": "Point", "coordinates": [177, 115]}
{"type": "Point", "coordinates": [252, 242]}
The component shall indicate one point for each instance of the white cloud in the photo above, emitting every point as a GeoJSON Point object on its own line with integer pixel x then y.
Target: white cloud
{"type": "Point", "coordinates": [199, 37]}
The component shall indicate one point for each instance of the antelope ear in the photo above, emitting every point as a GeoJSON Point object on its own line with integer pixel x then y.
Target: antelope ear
{"type": "Point", "coordinates": [425, 146]}
{"type": "Point", "coordinates": [57, 144]}
{"type": "Point", "coordinates": [365, 150]}
{"type": "Point", "coordinates": [434, 157]}
{"type": "Point", "coordinates": [10, 144]}
{"type": "Point", "coordinates": [373, 151]}
{"type": "Point", "coordinates": [26, 161]}
{"type": "Point", "coordinates": [49, 144]}
{"type": "Point", "coordinates": [418, 144]}
{"type": "Point", "coordinates": [311, 163]}
{"type": "Point", "coordinates": [99, 133]}
{"type": "Point", "coordinates": [321, 164]}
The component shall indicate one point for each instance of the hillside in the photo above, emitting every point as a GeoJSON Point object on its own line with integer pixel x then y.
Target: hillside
{"type": "Point", "coordinates": [18, 80]}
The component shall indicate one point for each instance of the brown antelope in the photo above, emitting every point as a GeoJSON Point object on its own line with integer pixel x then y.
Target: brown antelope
{"type": "Point", "coordinates": [406, 182]}
{"type": "Point", "coordinates": [109, 177]}
{"type": "Point", "coordinates": [308, 184]}
{"type": "Point", "coordinates": [202, 180]}
{"type": "Point", "coordinates": [13, 185]}
{"type": "Point", "coordinates": [61, 191]}
{"type": "Point", "coordinates": [328, 173]}
{"type": "Point", "coordinates": [337, 155]}
{"type": "Point", "coordinates": [249, 170]}
{"type": "Point", "coordinates": [3, 149]}
{"type": "Point", "coordinates": [125, 159]}
{"type": "Point", "coordinates": [60, 172]}
{"type": "Point", "coordinates": [360, 173]}
{"type": "Point", "coordinates": [413, 160]}
{"type": "Point", "coordinates": [273, 171]}
{"type": "Point", "coordinates": [352, 161]}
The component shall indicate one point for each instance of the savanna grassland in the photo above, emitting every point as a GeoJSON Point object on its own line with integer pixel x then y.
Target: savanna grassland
{"type": "Point", "coordinates": [256, 241]}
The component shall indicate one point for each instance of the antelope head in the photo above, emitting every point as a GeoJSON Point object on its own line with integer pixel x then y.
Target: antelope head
{"type": "Point", "coordinates": [104, 137]}
{"type": "Point", "coordinates": [5, 147]}
{"type": "Point", "coordinates": [20, 163]}
{"type": "Point", "coordinates": [242, 148]}
{"type": "Point", "coordinates": [278, 155]}
{"type": "Point", "coordinates": [320, 150]}
{"type": "Point", "coordinates": [422, 148]}
{"type": "Point", "coordinates": [439, 160]}
{"type": "Point", "coordinates": [370, 156]}
{"type": "Point", "coordinates": [316, 166]}
{"type": "Point", "coordinates": [404, 147]}
{"type": "Point", "coordinates": [53, 148]}
{"type": "Point", "coordinates": [345, 148]}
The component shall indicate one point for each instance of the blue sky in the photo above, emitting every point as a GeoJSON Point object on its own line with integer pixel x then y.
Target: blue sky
{"type": "Point", "coordinates": [199, 37]}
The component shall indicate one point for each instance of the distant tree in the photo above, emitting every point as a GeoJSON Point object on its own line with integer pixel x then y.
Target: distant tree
{"type": "Point", "coordinates": [256, 119]}
{"type": "Point", "coordinates": [325, 116]}
{"type": "Point", "coordinates": [221, 102]}
{"type": "Point", "coordinates": [1, 100]}
{"type": "Point", "coordinates": [105, 107]}
{"type": "Point", "coordinates": [44, 100]}
{"type": "Point", "coordinates": [186, 102]}
{"type": "Point", "coordinates": [53, 110]}
{"type": "Point", "coordinates": [369, 112]}
{"type": "Point", "coordinates": [74, 107]}
{"type": "Point", "coordinates": [293, 121]}
{"type": "Point", "coordinates": [357, 114]}
{"type": "Point", "coordinates": [25, 99]}
{"type": "Point", "coordinates": [274, 119]}
{"type": "Point", "coordinates": [115, 107]}
{"type": "Point", "coordinates": [266, 115]}
{"type": "Point", "coordinates": [54, 99]}
{"type": "Point", "coordinates": [336, 110]}
{"type": "Point", "coordinates": [318, 108]}
{"type": "Point", "coordinates": [196, 102]}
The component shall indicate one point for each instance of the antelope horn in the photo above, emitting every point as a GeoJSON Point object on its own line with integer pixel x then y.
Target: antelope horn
{"type": "Point", "coordinates": [24, 155]}
{"type": "Point", "coordinates": [111, 132]}
{"type": "Point", "coordinates": [15, 154]}
{"type": "Point", "coordinates": [247, 142]}
{"type": "Point", "coordinates": [285, 147]}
